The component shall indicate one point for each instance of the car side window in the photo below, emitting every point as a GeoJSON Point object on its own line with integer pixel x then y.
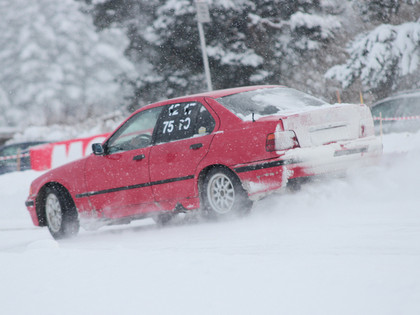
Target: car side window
{"type": "Point", "coordinates": [136, 133]}
{"type": "Point", "coordinates": [183, 120]}
{"type": "Point", "coordinates": [176, 122]}
{"type": "Point", "coordinates": [205, 122]}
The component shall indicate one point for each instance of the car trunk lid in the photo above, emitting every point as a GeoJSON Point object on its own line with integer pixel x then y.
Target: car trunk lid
{"type": "Point", "coordinates": [327, 124]}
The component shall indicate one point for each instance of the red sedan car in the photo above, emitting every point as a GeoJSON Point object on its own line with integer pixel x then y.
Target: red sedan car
{"type": "Point", "coordinates": [215, 151]}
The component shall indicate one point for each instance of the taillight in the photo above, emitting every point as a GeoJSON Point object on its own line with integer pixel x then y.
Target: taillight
{"type": "Point", "coordinates": [270, 144]}
{"type": "Point", "coordinates": [281, 140]}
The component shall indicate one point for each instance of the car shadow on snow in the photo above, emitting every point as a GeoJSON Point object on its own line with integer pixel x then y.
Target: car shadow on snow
{"type": "Point", "coordinates": [181, 220]}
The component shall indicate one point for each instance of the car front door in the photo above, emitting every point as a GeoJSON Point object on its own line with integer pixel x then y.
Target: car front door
{"type": "Point", "coordinates": [118, 182]}
{"type": "Point", "coordinates": [183, 137]}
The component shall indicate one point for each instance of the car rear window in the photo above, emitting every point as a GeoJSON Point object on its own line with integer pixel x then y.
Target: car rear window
{"type": "Point", "coordinates": [268, 101]}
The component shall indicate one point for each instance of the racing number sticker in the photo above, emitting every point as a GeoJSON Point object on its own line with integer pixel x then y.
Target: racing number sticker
{"type": "Point", "coordinates": [185, 123]}
{"type": "Point", "coordinates": [181, 120]}
{"type": "Point", "coordinates": [173, 111]}
{"type": "Point", "coordinates": [168, 126]}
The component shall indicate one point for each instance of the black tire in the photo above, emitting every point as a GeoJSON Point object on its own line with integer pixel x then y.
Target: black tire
{"type": "Point", "coordinates": [60, 213]}
{"type": "Point", "coordinates": [223, 196]}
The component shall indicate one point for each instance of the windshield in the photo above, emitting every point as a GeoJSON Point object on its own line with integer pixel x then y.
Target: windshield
{"type": "Point", "coordinates": [268, 101]}
{"type": "Point", "coordinates": [399, 107]}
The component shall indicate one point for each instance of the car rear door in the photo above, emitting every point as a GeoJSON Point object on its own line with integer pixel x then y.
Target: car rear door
{"type": "Point", "coordinates": [183, 138]}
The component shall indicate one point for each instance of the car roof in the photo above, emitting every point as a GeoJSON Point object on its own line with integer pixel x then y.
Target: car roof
{"type": "Point", "coordinates": [211, 94]}
{"type": "Point", "coordinates": [226, 92]}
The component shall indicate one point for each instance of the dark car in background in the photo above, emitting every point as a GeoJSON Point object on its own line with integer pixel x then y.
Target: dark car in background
{"type": "Point", "coordinates": [400, 112]}
{"type": "Point", "coordinates": [15, 157]}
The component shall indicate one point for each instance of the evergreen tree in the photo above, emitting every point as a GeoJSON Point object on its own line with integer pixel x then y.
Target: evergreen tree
{"type": "Point", "coordinates": [55, 66]}
{"type": "Point", "coordinates": [248, 42]}
{"type": "Point", "coordinates": [382, 59]}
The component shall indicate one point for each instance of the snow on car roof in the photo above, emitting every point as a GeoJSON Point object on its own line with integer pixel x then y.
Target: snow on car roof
{"type": "Point", "coordinates": [271, 101]}
{"type": "Point", "coordinates": [285, 100]}
{"type": "Point", "coordinates": [226, 92]}
{"type": "Point", "coordinates": [212, 94]}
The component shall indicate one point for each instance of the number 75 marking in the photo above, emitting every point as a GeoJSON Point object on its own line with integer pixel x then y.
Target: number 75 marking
{"type": "Point", "coordinates": [168, 126]}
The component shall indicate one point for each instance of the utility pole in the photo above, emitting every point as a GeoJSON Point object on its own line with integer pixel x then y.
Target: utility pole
{"type": "Point", "coordinates": [203, 16]}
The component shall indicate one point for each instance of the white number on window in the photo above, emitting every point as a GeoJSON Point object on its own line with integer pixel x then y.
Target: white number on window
{"type": "Point", "coordinates": [184, 123]}
{"type": "Point", "coordinates": [168, 126]}
{"type": "Point", "coordinates": [188, 108]}
{"type": "Point", "coordinates": [173, 111]}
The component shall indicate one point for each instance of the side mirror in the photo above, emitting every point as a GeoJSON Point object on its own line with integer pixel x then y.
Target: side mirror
{"type": "Point", "coordinates": [98, 149]}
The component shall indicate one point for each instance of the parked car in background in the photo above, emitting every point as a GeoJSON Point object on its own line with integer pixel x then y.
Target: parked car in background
{"type": "Point", "coordinates": [15, 157]}
{"type": "Point", "coordinates": [216, 151]}
{"type": "Point", "coordinates": [400, 112]}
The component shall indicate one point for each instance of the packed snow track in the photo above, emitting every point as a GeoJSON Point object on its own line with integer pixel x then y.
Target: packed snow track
{"type": "Point", "coordinates": [339, 246]}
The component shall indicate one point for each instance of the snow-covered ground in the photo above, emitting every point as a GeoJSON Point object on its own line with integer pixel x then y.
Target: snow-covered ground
{"type": "Point", "coordinates": [340, 246]}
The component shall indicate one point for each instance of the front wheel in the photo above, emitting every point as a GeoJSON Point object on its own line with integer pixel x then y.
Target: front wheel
{"type": "Point", "coordinates": [60, 213]}
{"type": "Point", "coordinates": [223, 195]}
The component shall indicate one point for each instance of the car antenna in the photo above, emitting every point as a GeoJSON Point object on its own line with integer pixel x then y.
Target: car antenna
{"type": "Point", "coordinates": [253, 120]}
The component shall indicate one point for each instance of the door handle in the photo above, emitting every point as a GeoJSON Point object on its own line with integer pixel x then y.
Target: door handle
{"type": "Point", "coordinates": [138, 157]}
{"type": "Point", "coordinates": [196, 146]}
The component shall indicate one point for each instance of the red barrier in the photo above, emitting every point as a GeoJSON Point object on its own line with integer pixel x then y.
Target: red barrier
{"type": "Point", "coordinates": [51, 155]}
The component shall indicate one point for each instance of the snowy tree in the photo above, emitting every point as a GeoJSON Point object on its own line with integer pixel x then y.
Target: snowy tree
{"type": "Point", "coordinates": [134, 16]}
{"type": "Point", "coordinates": [381, 59]}
{"type": "Point", "coordinates": [291, 42]}
{"type": "Point", "coordinates": [381, 11]}
{"type": "Point", "coordinates": [295, 45]}
{"type": "Point", "coordinates": [55, 66]}
{"type": "Point", "coordinates": [4, 107]}
{"type": "Point", "coordinates": [378, 10]}
{"type": "Point", "coordinates": [248, 42]}
{"type": "Point", "coordinates": [174, 35]}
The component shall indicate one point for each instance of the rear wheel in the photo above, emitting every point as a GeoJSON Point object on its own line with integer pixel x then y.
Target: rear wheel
{"type": "Point", "coordinates": [223, 195]}
{"type": "Point", "coordinates": [60, 213]}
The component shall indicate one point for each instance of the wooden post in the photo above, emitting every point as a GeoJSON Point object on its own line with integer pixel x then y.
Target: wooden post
{"type": "Point", "coordinates": [361, 97]}
{"type": "Point", "coordinates": [338, 97]}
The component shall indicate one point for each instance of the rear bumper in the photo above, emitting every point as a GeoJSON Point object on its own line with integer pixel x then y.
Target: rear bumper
{"type": "Point", "coordinates": [260, 178]}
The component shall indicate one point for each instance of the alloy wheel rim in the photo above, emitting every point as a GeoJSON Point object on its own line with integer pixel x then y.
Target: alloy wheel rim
{"type": "Point", "coordinates": [53, 212]}
{"type": "Point", "coordinates": [221, 193]}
